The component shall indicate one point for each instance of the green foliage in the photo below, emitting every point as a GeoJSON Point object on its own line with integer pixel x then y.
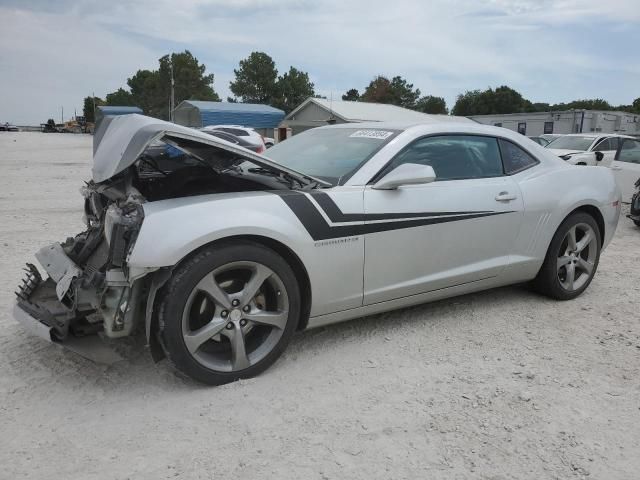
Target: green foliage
{"type": "Point", "coordinates": [87, 108]}
{"type": "Point", "coordinates": [431, 104]}
{"type": "Point", "coordinates": [595, 104]}
{"type": "Point", "coordinates": [395, 91]}
{"type": "Point", "coordinates": [151, 89]}
{"type": "Point", "coordinates": [506, 100]}
{"type": "Point", "coordinates": [120, 98]}
{"type": "Point", "coordinates": [351, 95]}
{"type": "Point", "coordinates": [292, 89]}
{"type": "Point", "coordinates": [485, 102]}
{"type": "Point", "coordinates": [256, 79]}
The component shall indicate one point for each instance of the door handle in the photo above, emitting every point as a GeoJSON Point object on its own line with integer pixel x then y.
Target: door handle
{"type": "Point", "coordinates": [616, 167]}
{"type": "Point", "coordinates": [505, 197]}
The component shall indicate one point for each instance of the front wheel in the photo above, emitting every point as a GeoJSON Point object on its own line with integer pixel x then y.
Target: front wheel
{"type": "Point", "coordinates": [572, 258]}
{"type": "Point", "coordinates": [229, 312]}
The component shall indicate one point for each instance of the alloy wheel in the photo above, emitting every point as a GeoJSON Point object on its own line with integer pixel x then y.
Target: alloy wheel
{"type": "Point", "coordinates": [577, 257]}
{"type": "Point", "coordinates": [235, 316]}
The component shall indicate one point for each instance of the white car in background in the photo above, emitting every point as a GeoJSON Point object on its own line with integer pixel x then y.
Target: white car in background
{"type": "Point", "coordinates": [245, 133]}
{"type": "Point", "coordinates": [626, 167]}
{"type": "Point", "coordinates": [586, 148]}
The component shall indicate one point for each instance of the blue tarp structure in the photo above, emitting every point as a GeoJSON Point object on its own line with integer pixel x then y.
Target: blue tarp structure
{"type": "Point", "coordinates": [104, 110]}
{"type": "Point", "coordinates": [195, 113]}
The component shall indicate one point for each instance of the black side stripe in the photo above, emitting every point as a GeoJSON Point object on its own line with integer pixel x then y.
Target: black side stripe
{"type": "Point", "coordinates": [319, 229]}
{"type": "Point", "coordinates": [335, 214]}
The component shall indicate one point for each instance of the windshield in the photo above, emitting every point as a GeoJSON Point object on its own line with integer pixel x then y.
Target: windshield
{"type": "Point", "coordinates": [572, 143]}
{"type": "Point", "coordinates": [330, 154]}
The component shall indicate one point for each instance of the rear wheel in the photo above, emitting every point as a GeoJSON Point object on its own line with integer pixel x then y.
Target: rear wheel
{"type": "Point", "coordinates": [572, 258]}
{"type": "Point", "coordinates": [229, 312]}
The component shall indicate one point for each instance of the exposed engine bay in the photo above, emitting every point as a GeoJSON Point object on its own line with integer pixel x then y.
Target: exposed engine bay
{"type": "Point", "coordinates": [89, 289]}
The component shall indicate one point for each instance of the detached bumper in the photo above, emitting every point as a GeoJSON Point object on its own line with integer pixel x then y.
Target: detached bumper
{"type": "Point", "coordinates": [31, 324]}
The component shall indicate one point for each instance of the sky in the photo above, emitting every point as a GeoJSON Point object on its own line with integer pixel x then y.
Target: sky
{"type": "Point", "coordinates": [54, 53]}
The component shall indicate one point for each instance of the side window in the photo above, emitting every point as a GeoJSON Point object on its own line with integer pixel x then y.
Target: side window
{"type": "Point", "coordinates": [514, 158]}
{"type": "Point", "coordinates": [453, 157]}
{"type": "Point", "coordinates": [603, 146]}
{"type": "Point", "coordinates": [630, 151]}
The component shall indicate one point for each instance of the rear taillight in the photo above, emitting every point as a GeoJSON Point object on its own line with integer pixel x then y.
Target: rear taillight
{"type": "Point", "coordinates": [260, 149]}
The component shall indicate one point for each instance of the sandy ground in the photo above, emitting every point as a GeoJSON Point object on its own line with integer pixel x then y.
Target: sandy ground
{"type": "Point", "coordinates": [498, 385]}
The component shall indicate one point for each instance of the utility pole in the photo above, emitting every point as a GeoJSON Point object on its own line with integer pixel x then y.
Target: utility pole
{"type": "Point", "coordinates": [93, 97]}
{"type": "Point", "coordinates": [172, 93]}
{"type": "Point", "coordinates": [61, 114]}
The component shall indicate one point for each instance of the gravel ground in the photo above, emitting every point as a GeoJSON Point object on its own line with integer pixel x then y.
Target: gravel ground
{"type": "Point", "coordinates": [498, 385]}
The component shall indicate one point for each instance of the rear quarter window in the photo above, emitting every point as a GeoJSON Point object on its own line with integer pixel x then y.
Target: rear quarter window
{"type": "Point", "coordinates": [514, 158]}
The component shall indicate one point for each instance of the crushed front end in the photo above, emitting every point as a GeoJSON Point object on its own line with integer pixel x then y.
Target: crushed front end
{"type": "Point", "coordinates": [87, 288]}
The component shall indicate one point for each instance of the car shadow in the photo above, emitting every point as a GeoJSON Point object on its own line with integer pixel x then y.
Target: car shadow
{"type": "Point", "coordinates": [34, 359]}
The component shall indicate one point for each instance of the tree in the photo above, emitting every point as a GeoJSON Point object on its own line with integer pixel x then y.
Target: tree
{"type": "Point", "coordinates": [151, 89]}
{"type": "Point", "coordinates": [189, 79]}
{"type": "Point", "coordinates": [431, 104]}
{"type": "Point", "coordinates": [88, 105]}
{"type": "Point", "coordinates": [485, 102]}
{"type": "Point", "coordinates": [352, 95]}
{"type": "Point", "coordinates": [635, 106]}
{"type": "Point", "coordinates": [292, 89]}
{"type": "Point", "coordinates": [144, 88]}
{"type": "Point", "coordinates": [120, 98]}
{"type": "Point", "coordinates": [255, 79]}
{"type": "Point", "coordinates": [469, 103]}
{"type": "Point", "coordinates": [395, 91]}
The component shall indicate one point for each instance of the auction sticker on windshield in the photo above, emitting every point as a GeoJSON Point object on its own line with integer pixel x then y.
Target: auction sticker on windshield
{"type": "Point", "coordinates": [379, 134]}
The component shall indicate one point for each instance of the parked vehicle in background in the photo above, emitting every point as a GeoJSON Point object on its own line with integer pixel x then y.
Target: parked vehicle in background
{"type": "Point", "coordinates": [587, 148]}
{"type": "Point", "coordinates": [221, 259]}
{"type": "Point", "coordinates": [626, 167]}
{"type": "Point", "coordinates": [240, 141]}
{"type": "Point", "coordinates": [634, 211]}
{"type": "Point", "coordinates": [269, 142]}
{"type": "Point", "coordinates": [248, 134]}
{"type": "Point", "coordinates": [551, 136]}
{"type": "Point", "coordinates": [543, 142]}
{"type": "Point", "coordinates": [7, 127]}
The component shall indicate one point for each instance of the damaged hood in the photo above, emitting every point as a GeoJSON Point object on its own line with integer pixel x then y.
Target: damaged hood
{"type": "Point", "coordinates": [119, 141]}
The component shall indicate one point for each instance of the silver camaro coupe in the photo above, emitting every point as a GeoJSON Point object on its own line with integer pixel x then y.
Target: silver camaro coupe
{"type": "Point", "coordinates": [220, 254]}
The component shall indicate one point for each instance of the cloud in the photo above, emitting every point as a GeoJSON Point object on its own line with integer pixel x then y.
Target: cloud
{"type": "Point", "coordinates": [548, 50]}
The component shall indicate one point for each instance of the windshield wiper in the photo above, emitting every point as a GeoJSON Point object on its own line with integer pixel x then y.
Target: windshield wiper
{"type": "Point", "coordinates": [278, 174]}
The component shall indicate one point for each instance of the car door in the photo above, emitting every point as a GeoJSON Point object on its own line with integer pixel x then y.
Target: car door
{"type": "Point", "coordinates": [458, 229]}
{"type": "Point", "coordinates": [626, 167]}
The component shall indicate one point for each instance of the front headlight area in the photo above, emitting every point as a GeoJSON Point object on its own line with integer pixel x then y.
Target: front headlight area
{"type": "Point", "coordinates": [87, 288]}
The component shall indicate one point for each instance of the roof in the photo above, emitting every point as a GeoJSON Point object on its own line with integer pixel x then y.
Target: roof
{"type": "Point", "coordinates": [376, 112]}
{"type": "Point", "coordinates": [230, 107]}
{"type": "Point", "coordinates": [554, 112]}
{"type": "Point", "coordinates": [596, 135]}
{"type": "Point", "coordinates": [118, 110]}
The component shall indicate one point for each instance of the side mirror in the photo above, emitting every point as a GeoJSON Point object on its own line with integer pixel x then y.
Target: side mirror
{"type": "Point", "coordinates": [406, 174]}
{"type": "Point", "coordinates": [599, 156]}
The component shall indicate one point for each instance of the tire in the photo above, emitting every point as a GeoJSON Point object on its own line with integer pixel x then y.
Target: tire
{"type": "Point", "coordinates": [637, 222]}
{"type": "Point", "coordinates": [235, 326]}
{"type": "Point", "coordinates": [554, 278]}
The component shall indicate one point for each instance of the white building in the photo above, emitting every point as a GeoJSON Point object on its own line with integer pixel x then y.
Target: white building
{"type": "Point", "coordinates": [568, 121]}
{"type": "Point", "coordinates": [317, 112]}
